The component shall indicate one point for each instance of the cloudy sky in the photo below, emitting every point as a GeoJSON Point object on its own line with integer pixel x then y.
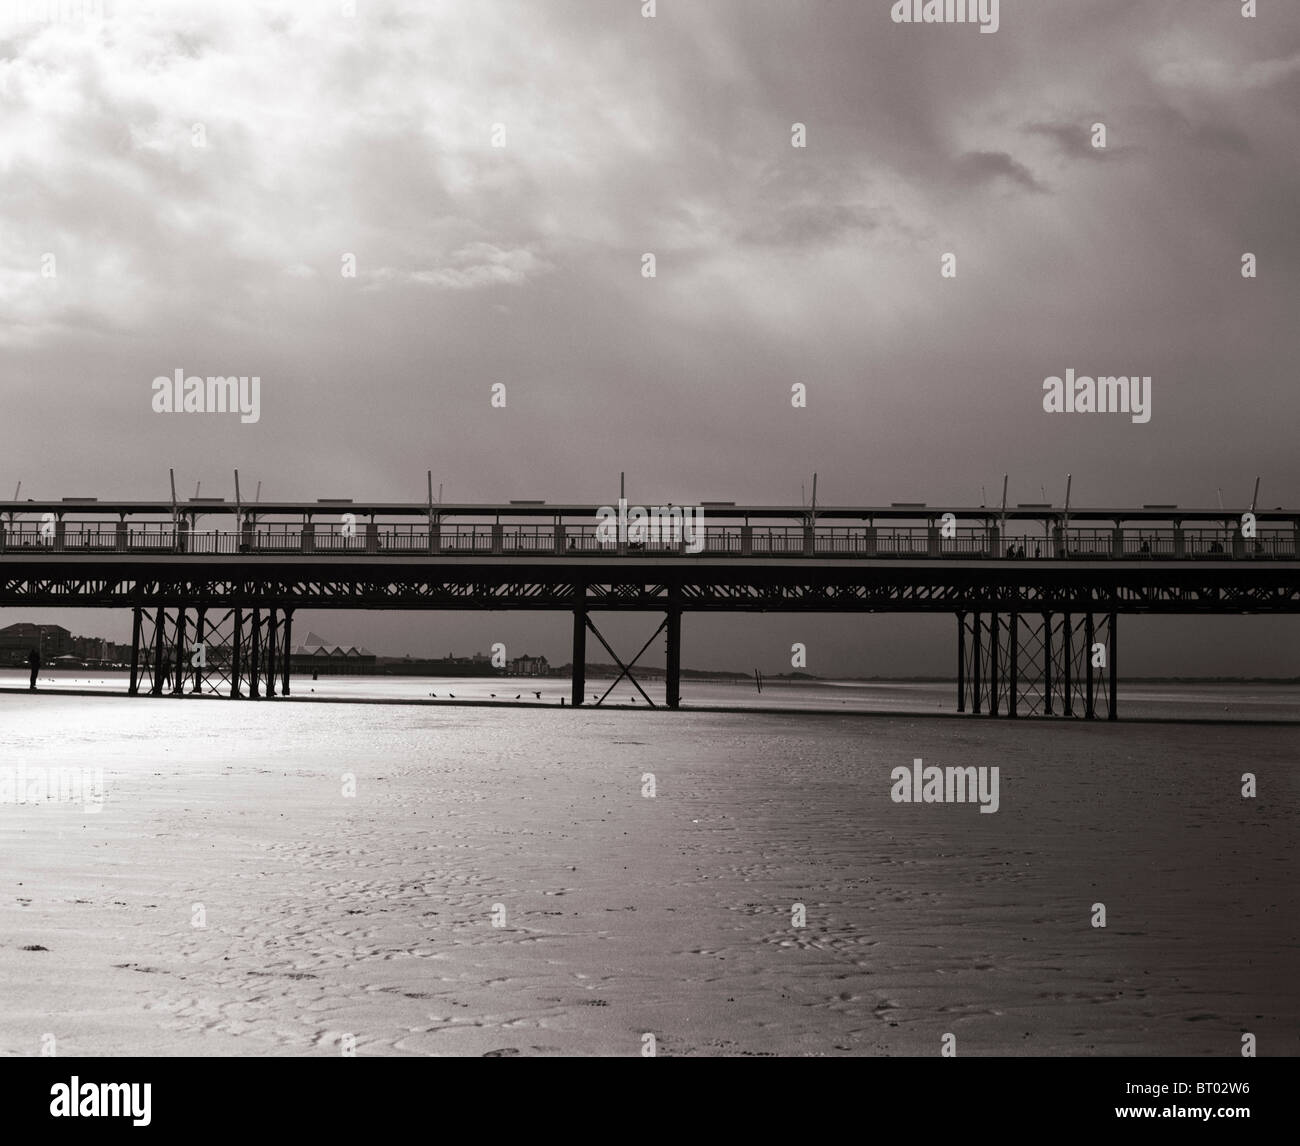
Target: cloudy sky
{"type": "Point", "coordinates": [181, 184]}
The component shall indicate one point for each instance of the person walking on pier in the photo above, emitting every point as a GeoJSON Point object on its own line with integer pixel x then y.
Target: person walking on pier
{"type": "Point", "coordinates": [33, 663]}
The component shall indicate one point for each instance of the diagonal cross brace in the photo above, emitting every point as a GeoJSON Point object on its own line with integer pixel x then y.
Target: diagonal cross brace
{"type": "Point", "coordinates": [626, 668]}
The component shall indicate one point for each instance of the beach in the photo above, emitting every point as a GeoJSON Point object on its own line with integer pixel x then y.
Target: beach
{"type": "Point", "coordinates": [290, 878]}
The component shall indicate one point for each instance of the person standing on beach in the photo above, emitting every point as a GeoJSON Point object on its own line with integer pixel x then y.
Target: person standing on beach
{"type": "Point", "coordinates": [33, 663]}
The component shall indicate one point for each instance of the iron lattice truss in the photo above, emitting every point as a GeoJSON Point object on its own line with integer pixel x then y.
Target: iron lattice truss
{"type": "Point", "coordinates": [227, 652]}
{"type": "Point", "coordinates": [1028, 638]}
{"type": "Point", "coordinates": [1038, 664]}
{"type": "Point", "coordinates": [752, 589]}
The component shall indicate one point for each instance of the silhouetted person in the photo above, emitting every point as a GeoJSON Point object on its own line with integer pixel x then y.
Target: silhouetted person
{"type": "Point", "coordinates": [33, 663]}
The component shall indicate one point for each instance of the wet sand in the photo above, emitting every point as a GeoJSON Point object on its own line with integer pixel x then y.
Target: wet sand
{"type": "Point", "coordinates": [371, 916]}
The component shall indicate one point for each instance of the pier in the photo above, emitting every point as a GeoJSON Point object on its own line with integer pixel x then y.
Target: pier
{"type": "Point", "coordinates": [1036, 591]}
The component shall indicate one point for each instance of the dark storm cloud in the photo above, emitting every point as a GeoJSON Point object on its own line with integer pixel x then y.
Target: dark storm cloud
{"type": "Point", "coordinates": [326, 136]}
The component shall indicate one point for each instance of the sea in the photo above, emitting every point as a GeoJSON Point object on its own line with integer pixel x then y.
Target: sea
{"type": "Point", "coordinates": [1137, 701]}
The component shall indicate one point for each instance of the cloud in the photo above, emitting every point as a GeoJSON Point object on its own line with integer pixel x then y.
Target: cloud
{"type": "Point", "coordinates": [1207, 74]}
{"type": "Point", "coordinates": [984, 166]}
{"type": "Point", "coordinates": [480, 264]}
{"type": "Point", "coordinates": [320, 135]}
{"type": "Point", "coordinates": [1075, 140]}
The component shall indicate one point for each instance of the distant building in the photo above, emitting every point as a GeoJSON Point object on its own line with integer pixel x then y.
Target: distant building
{"type": "Point", "coordinates": [316, 655]}
{"type": "Point", "coordinates": [451, 665]}
{"type": "Point", "coordinates": [16, 641]}
{"type": "Point", "coordinates": [91, 649]}
{"type": "Point", "coordinates": [530, 666]}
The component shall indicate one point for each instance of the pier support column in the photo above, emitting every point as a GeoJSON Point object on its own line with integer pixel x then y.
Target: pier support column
{"type": "Point", "coordinates": [199, 621]}
{"type": "Point", "coordinates": [976, 665]}
{"type": "Point", "coordinates": [1013, 640]}
{"type": "Point", "coordinates": [994, 667]}
{"type": "Point", "coordinates": [254, 667]}
{"type": "Point", "coordinates": [285, 661]}
{"type": "Point", "coordinates": [579, 648]}
{"type": "Point", "coordinates": [1047, 664]}
{"type": "Point", "coordinates": [159, 636]}
{"type": "Point", "coordinates": [1067, 655]}
{"type": "Point", "coordinates": [133, 688]}
{"type": "Point", "coordinates": [961, 662]}
{"type": "Point", "coordinates": [1113, 657]}
{"type": "Point", "coordinates": [270, 653]}
{"type": "Point", "coordinates": [236, 663]}
{"type": "Point", "coordinates": [1089, 696]}
{"type": "Point", "coordinates": [178, 688]}
{"type": "Point", "coordinates": [674, 681]}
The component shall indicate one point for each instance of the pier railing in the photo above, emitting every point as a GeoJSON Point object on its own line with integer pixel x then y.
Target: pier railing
{"type": "Point", "coordinates": [720, 541]}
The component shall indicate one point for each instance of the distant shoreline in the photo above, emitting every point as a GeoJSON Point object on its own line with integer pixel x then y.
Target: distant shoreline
{"type": "Point", "coordinates": [713, 676]}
